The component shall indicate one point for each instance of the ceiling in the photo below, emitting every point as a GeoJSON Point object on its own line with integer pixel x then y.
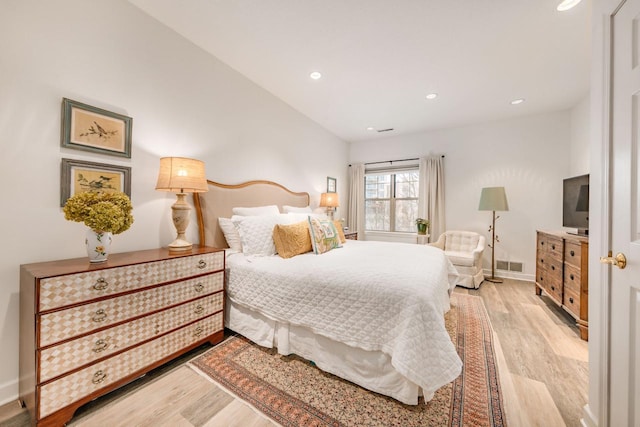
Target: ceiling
{"type": "Point", "coordinates": [380, 58]}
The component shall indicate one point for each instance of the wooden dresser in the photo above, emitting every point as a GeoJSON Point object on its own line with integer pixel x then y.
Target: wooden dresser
{"type": "Point", "coordinates": [562, 271]}
{"type": "Point", "coordinates": [88, 329]}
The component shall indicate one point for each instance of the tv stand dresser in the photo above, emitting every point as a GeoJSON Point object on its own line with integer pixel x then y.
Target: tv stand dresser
{"type": "Point", "coordinates": [87, 329]}
{"type": "Point", "coordinates": [562, 272]}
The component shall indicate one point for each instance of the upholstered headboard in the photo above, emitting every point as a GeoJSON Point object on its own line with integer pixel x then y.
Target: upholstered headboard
{"type": "Point", "coordinates": [221, 199]}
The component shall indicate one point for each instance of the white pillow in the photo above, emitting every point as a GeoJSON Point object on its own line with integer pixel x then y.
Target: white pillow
{"type": "Point", "coordinates": [231, 234]}
{"type": "Point", "coordinates": [257, 211]}
{"type": "Point", "coordinates": [297, 217]}
{"type": "Point", "coordinates": [294, 209]}
{"type": "Point", "coordinates": [256, 233]}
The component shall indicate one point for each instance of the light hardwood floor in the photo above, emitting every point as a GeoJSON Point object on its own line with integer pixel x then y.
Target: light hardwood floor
{"type": "Point", "coordinates": [541, 360]}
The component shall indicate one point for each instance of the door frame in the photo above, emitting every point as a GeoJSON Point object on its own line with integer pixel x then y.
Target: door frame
{"type": "Point", "coordinates": [596, 412]}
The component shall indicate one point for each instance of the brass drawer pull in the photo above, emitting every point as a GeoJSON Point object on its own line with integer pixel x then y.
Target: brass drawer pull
{"type": "Point", "coordinates": [101, 284]}
{"type": "Point", "coordinates": [100, 316]}
{"type": "Point", "coordinates": [198, 331]}
{"type": "Point", "coordinates": [198, 287]}
{"type": "Point", "coordinates": [202, 264]}
{"type": "Point", "coordinates": [98, 377]}
{"type": "Point", "coordinates": [199, 309]}
{"type": "Point", "coordinates": [100, 346]}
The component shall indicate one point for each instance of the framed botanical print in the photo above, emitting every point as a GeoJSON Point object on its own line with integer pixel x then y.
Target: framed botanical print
{"type": "Point", "coordinates": [77, 176]}
{"type": "Point", "coordinates": [331, 185]}
{"type": "Point", "coordinates": [93, 129]}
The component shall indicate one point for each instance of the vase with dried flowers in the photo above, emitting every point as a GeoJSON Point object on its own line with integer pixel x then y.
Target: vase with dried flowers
{"type": "Point", "coordinates": [105, 213]}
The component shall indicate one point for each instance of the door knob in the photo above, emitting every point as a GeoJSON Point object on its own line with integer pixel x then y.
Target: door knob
{"type": "Point", "coordinates": [619, 260]}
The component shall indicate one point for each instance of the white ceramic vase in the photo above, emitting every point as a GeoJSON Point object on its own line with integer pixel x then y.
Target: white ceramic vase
{"type": "Point", "coordinates": [98, 245]}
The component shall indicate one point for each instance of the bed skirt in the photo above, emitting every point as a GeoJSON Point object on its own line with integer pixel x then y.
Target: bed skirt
{"type": "Point", "coordinates": [369, 369]}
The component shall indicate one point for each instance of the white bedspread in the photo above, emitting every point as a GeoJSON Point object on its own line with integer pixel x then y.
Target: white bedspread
{"type": "Point", "coordinates": [377, 296]}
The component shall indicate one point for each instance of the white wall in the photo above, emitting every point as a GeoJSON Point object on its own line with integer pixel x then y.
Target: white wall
{"type": "Point", "coordinates": [579, 151]}
{"type": "Point", "coordinates": [183, 102]}
{"type": "Point", "coordinates": [528, 156]}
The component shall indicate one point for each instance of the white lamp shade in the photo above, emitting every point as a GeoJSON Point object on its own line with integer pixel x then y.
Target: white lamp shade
{"type": "Point", "coordinates": [182, 175]}
{"type": "Point", "coordinates": [329, 200]}
{"type": "Point", "coordinates": [493, 199]}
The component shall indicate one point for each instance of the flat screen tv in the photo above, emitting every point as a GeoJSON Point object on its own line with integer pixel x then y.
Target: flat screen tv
{"type": "Point", "coordinates": [575, 204]}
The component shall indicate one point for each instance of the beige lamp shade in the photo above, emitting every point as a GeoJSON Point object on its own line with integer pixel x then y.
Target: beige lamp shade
{"type": "Point", "coordinates": [329, 200]}
{"type": "Point", "coordinates": [182, 175]}
{"type": "Point", "coordinates": [493, 199]}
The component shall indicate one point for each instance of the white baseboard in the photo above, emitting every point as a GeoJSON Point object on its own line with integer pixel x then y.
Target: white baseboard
{"type": "Point", "coordinates": [8, 392]}
{"type": "Point", "coordinates": [512, 275]}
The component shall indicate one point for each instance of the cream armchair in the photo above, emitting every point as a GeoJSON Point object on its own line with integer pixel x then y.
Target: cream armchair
{"type": "Point", "coordinates": [464, 250]}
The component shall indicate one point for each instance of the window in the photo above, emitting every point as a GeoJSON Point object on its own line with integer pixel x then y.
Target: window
{"type": "Point", "coordinates": [391, 201]}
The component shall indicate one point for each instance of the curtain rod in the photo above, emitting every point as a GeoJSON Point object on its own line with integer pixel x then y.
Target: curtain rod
{"type": "Point", "coordinates": [391, 161]}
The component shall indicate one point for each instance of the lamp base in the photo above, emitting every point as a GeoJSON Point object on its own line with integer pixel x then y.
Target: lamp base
{"type": "Point", "coordinates": [180, 215]}
{"type": "Point", "coordinates": [180, 245]}
{"type": "Point", "coordinates": [493, 279]}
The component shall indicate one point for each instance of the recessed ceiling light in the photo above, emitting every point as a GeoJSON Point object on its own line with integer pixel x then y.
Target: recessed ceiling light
{"type": "Point", "coordinates": [517, 101]}
{"type": "Point", "coordinates": [432, 96]}
{"type": "Point", "coordinates": [315, 75]}
{"type": "Point", "coordinates": [567, 4]}
{"type": "Point", "coordinates": [371, 128]}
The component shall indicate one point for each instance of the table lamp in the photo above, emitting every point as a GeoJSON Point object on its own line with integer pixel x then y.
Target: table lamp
{"type": "Point", "coordinates": [181, 175]}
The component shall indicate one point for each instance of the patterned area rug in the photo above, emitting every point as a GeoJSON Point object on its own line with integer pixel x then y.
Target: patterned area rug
{"type": "Point", "coordinates": [293, 392]}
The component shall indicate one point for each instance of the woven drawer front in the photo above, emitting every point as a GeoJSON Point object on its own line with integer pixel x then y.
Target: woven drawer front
{"type": "Point", "coordinates": [66, 390]}
{"type": "Point", "coordinates": [65, 290]}
{"type": "Point", "coordinates": [64, 324]}
{"type": "Point", "coordinates": [65, 357]}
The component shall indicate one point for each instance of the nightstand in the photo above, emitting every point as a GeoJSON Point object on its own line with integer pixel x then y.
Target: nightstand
{"type": "Point", "coordinates": [351, 236]}
{"type": "Point", "coordinates": [422, 239]}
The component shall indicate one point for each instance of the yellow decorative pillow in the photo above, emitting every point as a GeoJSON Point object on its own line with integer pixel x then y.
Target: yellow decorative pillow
{"type": "Point", "coordinates": [324, 235]}
{"type": "Point", "coordinates": [338, 224]}
{"type": "Point", "coordinates": [292, 239]}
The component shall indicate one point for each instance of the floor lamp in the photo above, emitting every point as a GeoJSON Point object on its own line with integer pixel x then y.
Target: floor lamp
{"type": "Point", "coordinates": [493, 199]}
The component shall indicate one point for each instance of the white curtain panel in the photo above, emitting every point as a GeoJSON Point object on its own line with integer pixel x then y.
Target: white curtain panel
{"type": "Point", "coordinates": [431, 199]}
{"type": "Point", "coordinates": [355, 215]}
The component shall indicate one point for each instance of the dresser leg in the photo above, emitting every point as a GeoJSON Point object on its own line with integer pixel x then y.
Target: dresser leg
{"type": "Point", "coordinates": [538, 290]}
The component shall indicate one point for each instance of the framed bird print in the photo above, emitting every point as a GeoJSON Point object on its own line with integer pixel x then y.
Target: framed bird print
{"type": "Point", "coordinates": [93, 129]}
{"type": "Point", "coordinates": [77, 176]}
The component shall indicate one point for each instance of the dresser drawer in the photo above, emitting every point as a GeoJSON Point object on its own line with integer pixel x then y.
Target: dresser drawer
{"type": "Point", "coordinates": [60, 291]}
{"type": "Point", "coordinates": [571, 300]}
{"type": "Point", "coordinates": [66, 390]}
{"type": "Point", "coordinates": [64, 324]}
{"type": "Point", "coordinates": [572, 279]}
{"type": "Point", "coordinates": [552, 245]}
{"type": "Point", "coordinates": [551, 283]}
{"type": "Point", "coordinates": [60, 359]}
{"type": "Point", "coordinates": [573, 254]}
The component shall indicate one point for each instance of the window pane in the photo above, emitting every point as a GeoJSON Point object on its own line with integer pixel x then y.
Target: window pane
{"type": "Point", "coordinates": [377, 215]}
{"type": "Point", "coordinates": [377, 186]}
{"type": "Point", "coordinates": [406, 214]}
{"type": "Point", "coordinates": [407, 184]}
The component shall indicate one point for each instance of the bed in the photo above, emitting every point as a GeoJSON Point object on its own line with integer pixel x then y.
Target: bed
{"type": "Point", "coordinates": [368, 312]}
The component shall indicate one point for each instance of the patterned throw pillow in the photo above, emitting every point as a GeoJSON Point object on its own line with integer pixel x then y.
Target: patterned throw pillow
{"type": "Point", "coordinates": [324, 235]}
{"type": "Point", "coordinates": [292, 239]}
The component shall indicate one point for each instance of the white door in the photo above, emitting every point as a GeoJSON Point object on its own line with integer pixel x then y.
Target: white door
{"type": "Point", "coordinates": [624, 356]}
